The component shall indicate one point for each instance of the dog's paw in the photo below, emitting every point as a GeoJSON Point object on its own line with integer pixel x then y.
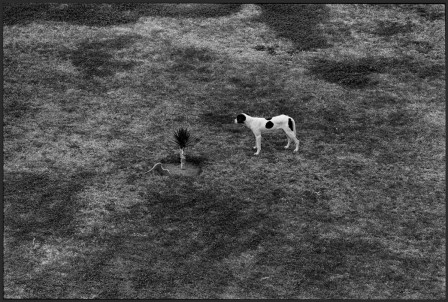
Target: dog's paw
{"type": "Point", "coordinates": [295, 151]}
{"type": "Point", "coordinates": [256, 153]}
{"type": "Point", "coordinates": [286, 147]}
{"type": "Point", "coordinates": [254, 147]}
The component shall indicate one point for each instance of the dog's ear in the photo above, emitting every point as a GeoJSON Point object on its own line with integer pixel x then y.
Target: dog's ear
{"type": "Point", "coordinates": [240, 118]}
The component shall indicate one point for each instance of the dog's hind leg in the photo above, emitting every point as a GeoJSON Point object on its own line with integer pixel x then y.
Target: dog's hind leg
{"type": "Point", "coordinates": [289, 140]}
{"type": "Point", "coordinates": [292, 137]}
{"type": "Point", "coordinates": [296, 140]}
{"type": "Point", "coordinates": [258, 141]}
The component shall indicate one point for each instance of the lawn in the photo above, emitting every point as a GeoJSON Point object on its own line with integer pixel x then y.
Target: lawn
{"type": "Point", "coordinates": [94, 92]}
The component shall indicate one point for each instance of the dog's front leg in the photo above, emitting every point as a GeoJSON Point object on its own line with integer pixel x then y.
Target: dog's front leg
{"type": "Point", "coordinates": [258, 142]}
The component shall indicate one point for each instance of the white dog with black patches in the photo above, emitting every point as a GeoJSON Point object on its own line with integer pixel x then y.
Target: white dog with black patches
{"type": "Point", "coordinates": [258, 125]}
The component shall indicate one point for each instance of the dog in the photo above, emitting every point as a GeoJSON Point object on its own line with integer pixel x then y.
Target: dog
{"type": "Point", "coordinates": [258, 125]}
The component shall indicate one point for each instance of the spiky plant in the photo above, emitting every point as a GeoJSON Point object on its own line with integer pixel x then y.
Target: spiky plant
{"type": "Point", "coordinates": [182, 139]}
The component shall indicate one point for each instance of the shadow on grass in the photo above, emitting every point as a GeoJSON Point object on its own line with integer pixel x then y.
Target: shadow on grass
{"type": "Point", "coordinates": [297, 22]}
{"type": "Point", "coordinates": [97, 14]}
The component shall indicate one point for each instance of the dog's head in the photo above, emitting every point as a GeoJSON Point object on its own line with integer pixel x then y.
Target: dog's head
{"type": "Point", "coordinates": [240, 118]}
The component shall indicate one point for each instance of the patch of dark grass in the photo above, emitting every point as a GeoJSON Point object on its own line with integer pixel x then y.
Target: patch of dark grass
{"type": "Point", "coordinates": [16, 13]}
{"type": "Point", "coordinates": [297, 22]}
{"type": "Point", "coordinates": [329, 120]}
{"type": "Point", "coordinates": [17, 108]}
{"type": "Point", "coordinates": [99, 63]}
{"type": "Point", "coordinates": [202, 10]}
{"type": "Point", "coordinates": [431, 71]}
{"type": "Point", "coordinates": [402, 118]}
{"type": "Point", "coordinates": [355, 73]}
{"type": "Point", "coordinates": [40, 204]}
{"type": "Point", "coordinates": [334, 115]}
{"type": "Point", "coordinates": [102, 14]}
{"type": "Point", "coordinates": [431, 12]}
{"type": "Point", "coordinates": [350, 72]}
{"type": "Point", "coordinates": [194, 60]}
{"type": "Point", "coordinates": [338, 31]}
{"type": "Point", "coordinates": [224, 227]}
{"type": "Point", "coordinates": [421, 46]}
{"type": "Point", "coordinates": [389, 28]}
{"type": "Point", "coordinates": [327, 266]}
{"type": "Point", "coordinates": [378, 101]}
{"type": "Point", "coordinates": [217, 119]}
{"type": "Point", "coordinates": [315, 207]}
{"type": "Point", "coordinates": [264, 83]}
{"type": "Point", "coordinates": [96, 58]}
{"type": "Point", "coordinates": [76, 13]}
{"type": "Point", "coordinates": [270, 49]}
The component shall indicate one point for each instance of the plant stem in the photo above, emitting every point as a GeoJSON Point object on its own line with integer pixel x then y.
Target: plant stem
{"type": "Point", "coordinates": [182, 159]}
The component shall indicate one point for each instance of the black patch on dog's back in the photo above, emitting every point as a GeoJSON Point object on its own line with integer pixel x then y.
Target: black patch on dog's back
{"type": "Point", "coordinates": [240, 118]}
{"type": "Point", "coordinates": [290, 124]}
{"type": "Point", "coordinates": [269, 125]}
{"type": "Point", "coordinates": [269, 118]}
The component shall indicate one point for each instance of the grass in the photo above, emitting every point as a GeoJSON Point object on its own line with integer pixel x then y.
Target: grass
{"type": "Point", "coordinates": [90, 105]}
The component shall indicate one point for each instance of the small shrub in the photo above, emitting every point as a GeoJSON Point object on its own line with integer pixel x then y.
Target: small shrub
{"type": "Point", "coordinates": [182, 138]}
